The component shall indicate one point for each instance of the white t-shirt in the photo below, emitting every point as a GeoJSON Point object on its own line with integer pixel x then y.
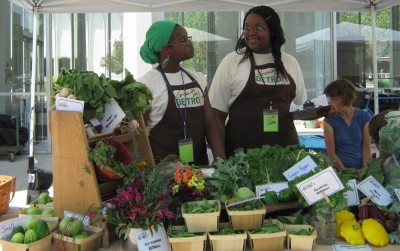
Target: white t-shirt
{"type": "Point", "coordinates": [231, 78]}
{"type": "Point", "coordinates": [155, 82]}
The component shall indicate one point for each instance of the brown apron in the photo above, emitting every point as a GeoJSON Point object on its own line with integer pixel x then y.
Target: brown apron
{"type": "Point", "coordinates": [164, 136]}
{"type": "Point", "coordinates": [245, 125]}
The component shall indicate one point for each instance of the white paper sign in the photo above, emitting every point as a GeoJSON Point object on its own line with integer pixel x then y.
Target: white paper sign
{"type": "Point", "coordinates": [208, 172]}
{"type": "Point", "coordinates": [85, 219]}
{"type": "Point", "coordinates": [113, 115]}
{"type": "Point", "coordinates": [397, 191]}
{"type": "Point", "coordinates": [276, 187]}
{"type": "Point", "coordinates": [70, 105]}
{"type": "Point", "coordinates": [325, 181]}
{"type": "Point", "coordinates": [302, 167]}
{"type": "Point", "coordinates": [352, 196]}
{"type": "Point", "coordinates": [345, 247]}
{"type": "Point", "coordinates": [371, 187]}
{"type": "Point", "coordinates": [156, 242]}
{"type": "Point", "coordinates": [321, 100]}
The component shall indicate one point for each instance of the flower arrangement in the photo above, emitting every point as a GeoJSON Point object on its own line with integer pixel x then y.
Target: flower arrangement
{"type": "Point", "coordinates": [186, 185]}
{"type": "Point", "coordinates": [142, 203]}
{"type": "Point", "coordinates": [188, 180]}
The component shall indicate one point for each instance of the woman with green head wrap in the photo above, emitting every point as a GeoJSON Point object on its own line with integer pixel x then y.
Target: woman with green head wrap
{"type": "Point", "coordinates": [180, 120]}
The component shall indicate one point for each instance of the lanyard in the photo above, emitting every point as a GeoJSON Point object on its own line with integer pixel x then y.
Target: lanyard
{"type": "Point", "coordinates": [270, 98]}
{"type": "Point", "coordinates": [183, 115]}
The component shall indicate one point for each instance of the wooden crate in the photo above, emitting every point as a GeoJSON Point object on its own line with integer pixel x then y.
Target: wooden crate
{"type": "Point", "coordinates": [268, 242]}
{"type": "Point", "coordinates": [232, 242]}
{"type": "Point", "coordinates": [195, 243]}
{"type": "Point", "coordinates": [72, 170]}
{"type": "Point", "coordinates": [204, 222]}
{"type": "Point", "coordinates": [92, 242]}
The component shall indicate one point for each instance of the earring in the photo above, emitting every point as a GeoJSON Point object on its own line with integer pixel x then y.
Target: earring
{"type": "Point", "coordinates": [164, 63]}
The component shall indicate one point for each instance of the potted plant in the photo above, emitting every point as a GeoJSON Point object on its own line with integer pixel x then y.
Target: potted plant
{"type": "Point", "coordinates": [141, 205]}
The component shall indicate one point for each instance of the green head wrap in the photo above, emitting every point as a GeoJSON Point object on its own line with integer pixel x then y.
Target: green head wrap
{"type": "Point", "coordinates": [157, 37]}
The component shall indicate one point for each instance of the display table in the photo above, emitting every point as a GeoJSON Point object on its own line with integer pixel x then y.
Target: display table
{"type": "Point", "coordinates": [117, 245]}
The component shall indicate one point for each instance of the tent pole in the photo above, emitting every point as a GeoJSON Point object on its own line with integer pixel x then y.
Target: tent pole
{"type": "Point", "coordinates": [375, 61]}
{"type": "Point", "coordinates": [33, 83]}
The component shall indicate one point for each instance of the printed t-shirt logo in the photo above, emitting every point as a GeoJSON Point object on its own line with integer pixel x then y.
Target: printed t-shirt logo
{"type": "Point", "coordinates": [269, 76]}
{"type": "Point", "coordinates": [194, 98]}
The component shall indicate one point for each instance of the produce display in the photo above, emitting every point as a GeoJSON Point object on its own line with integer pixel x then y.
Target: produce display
{"type": "Point", "coordinates": [96, 91]}
{"type": "Point", "coordinates": [146, 199]}
{"type": "Point", "coordinates": [34, 230]}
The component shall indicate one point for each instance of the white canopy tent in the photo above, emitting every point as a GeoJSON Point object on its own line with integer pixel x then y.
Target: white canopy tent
{"type": "Point", "coordinates": [107, 6]}
{"type": "Point", "coordinates": [346, 32]}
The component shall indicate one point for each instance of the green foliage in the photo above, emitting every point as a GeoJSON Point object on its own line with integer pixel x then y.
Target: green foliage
{"type": "Point", "coordinates": [87, 86]}
{"type": "Point", "coordinates": [229, 175]}
{"type": "Point", "coordinates": [196, 20]}
{"type": "Point", "coordinates": [96, 91]}
{"type": "Point", "coordinates": [268, 163]}
{"type": "Point", "coordinates": [133, 97]}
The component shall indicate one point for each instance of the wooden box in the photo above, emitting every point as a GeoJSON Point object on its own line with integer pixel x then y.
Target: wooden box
{"type": "Point", "coordinates": [193, 243]}
{"type": "Point", "coordinates": [300, 242]}
{"type": "Point", "coordinates": [92, 242]}
{"type": "Point", "coordinates": [245, 220]}
{"type": "Point", "coordinates": [202, 222]}
{"type": "Point", "coordinates": [268, 242]}
{"type": "Point", "coordinates": [231, 242]}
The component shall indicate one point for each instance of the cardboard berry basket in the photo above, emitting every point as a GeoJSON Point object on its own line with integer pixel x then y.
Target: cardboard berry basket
{"type": "Point", "coordinates": [202, 222]}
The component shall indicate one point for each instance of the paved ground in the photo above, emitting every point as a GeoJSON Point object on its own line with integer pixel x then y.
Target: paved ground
{"type": "Point", "coordinates": [19, 169]}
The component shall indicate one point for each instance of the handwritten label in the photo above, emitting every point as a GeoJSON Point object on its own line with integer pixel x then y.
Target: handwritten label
{"type": "Point", "coordinates": [7, 226]}
{"type": "Point", "coordinates": [397, 191]}
{"type": "Point", "coordinates": [371, 187]}
{"type": "Point", "coordinates": [276, 187]}
{"type": "Point", "coordinates": [352, 196]}
{"type": "Point", "coordinates": [156, 242]}
{"type": "Point", "coordinates": [113, 115]}
{"type": "Point", "coordinates": [345, 247]}
{"type": "Point", "coordinates": [325, 181]}
{"type": "Point", "coordinates": [85, 219]}
{"type": "Point", "coordinates": [302, 167]}
{"type": "Point", "coordinates": [70, 105]}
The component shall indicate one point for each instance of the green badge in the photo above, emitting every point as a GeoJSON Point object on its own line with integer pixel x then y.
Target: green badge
{"type": "Point", "coordinates": [270, 120]}
{"type": "Point", "coordinates": [186, 150]}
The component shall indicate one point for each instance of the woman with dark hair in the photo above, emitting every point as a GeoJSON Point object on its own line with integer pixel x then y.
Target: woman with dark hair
{"type": "Point", "coordinates": [255, 86]}
{"type": "Point", "coordinates": [180, 120]}
{"type": "Point", "coordinates": [347, 139]}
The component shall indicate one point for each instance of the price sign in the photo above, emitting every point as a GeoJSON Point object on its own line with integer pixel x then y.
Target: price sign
{"type": "Point", "coordinates": [276, 187]}
{"type": "Point", "coordinates": [304, 166]}
{"type": "Point", "coordinates": [352, 196]}
{"type": "Point", "coordinates": [325, 182]}
{"type": "Point", "coordinates": [372, 188]}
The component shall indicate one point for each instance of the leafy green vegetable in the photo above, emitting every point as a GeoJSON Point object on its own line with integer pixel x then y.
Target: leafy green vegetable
{"type": "Point", "coordinates": [229, 175]}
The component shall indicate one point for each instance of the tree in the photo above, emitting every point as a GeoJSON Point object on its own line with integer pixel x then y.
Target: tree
{"type": "Point", "coordinates": [196, 20]}
{"type": "Point", "coordinates": [117, 58]}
